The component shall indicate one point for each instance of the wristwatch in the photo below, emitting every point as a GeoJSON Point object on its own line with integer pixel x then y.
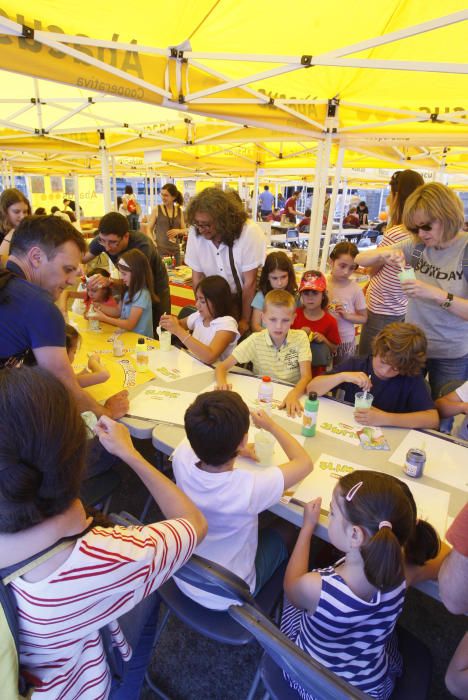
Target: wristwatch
{"type": "Point", "coordinates": [447, 302]}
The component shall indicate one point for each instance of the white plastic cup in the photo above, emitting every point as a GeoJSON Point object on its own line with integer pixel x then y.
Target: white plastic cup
{"type": "Point", "coordinates": [264, 447]}
{"type": "Point", "coordinates": [164, 340]}
{"type": "Point", "coordinates": [363, 399]}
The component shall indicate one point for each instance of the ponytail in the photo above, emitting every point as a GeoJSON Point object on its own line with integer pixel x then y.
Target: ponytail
{"type": "Point", "coordinates": [383, 560]}
{"type": "Point", "coordinates": [422, 544]}
{"type": "Point", "coordinates": [174, 192]}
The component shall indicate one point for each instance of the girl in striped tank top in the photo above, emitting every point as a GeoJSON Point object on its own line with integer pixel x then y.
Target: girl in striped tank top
{"type": "Point", "coordinates": [344, 615]}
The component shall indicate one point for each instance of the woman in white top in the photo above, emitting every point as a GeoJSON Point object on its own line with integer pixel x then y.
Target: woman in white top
{"type": "Point", "coordinates": [211, 332]}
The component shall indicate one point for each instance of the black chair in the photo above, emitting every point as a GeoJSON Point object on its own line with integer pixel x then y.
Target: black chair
{"type": "Point", "coordinates": [321, 355]}
{"type": "Point", "coordinates": [217, 625]}
{"type": "Point", "coordinates": [98, 490]}
{"type": "Point", "coordinates": [282, 654]}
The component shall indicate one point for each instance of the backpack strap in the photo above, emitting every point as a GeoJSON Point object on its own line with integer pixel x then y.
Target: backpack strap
{"type": "Point", "coordinates": [416, 258]}
{"type": "Point", "coordinates": [236, 279]}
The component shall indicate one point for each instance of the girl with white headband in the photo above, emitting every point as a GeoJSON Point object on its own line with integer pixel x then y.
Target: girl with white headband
{"type": "Point", "coordinates": [344, 615]}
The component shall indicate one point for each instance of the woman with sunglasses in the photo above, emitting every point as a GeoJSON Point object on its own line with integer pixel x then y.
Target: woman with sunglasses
{"type": "Point", "coordinates": [385, 299]}
{"type": "Point", "coordinates": [438, 291]}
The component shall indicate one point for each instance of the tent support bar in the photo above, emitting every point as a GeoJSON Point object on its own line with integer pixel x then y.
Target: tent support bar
{"type": "Point", "coordinates": [241, 81]}
{"type": "Point", "coordinates": [331, 211]}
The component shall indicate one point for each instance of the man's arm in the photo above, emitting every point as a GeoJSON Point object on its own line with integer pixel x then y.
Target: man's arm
{"type": "Point", "coordinates": [196, 278]}
{"type": "Point", "coordinates": [248, 293]}
{"type": "Point", "coordinates": [55, 360]}
{"type": "Point", "coordinates": [453, 577]}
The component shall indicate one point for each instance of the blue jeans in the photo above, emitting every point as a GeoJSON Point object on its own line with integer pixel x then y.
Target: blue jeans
{"type": "Point", "coordinates": [271, 553]}
{"type": "Point", "coordinates": [440, 372]}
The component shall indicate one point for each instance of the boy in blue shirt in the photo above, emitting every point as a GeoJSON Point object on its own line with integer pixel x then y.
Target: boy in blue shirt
{"type": "Point", "coordinates": [393, 374]}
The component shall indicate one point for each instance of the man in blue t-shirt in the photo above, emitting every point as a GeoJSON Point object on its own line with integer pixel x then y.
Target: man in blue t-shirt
{"type": "Point", "coordinates": [114, 238]}
{"type": "Point", "coordinates": [266, 201]}
{"type": "Point", "coordinates": [45, 257]}
{"type": "Point", "coordinates": [393, 374]}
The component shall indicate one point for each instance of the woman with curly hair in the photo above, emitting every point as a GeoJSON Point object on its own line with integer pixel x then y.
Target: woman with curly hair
{"type": "Point", "coordinates": [222, 241]}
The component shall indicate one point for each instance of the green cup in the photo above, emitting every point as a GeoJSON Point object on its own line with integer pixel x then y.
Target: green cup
{"type": "Point", "coordinates": [406, 274]}
{"type": "Point", "coordinates": [363, 399]}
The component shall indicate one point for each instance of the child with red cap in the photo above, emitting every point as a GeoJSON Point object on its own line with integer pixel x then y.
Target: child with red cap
{"type": "Point", "coordinates": [312, 317]}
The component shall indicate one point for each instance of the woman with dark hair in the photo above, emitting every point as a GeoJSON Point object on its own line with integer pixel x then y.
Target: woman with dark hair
{"type": "Point", "coordinates": [131, 208]}
{"type": "Point", "coordinates": [222, 241]}
{"type": "Point", "coordinates": [211, 332]}
{"type": "Point", "coordinates": [13, 208]}
{"type": "Point", "coordinates": [386, 301]}
{"type": "Point", "coordinates": [363, 213]}
{"type": "Point", "coordinates": [167, 223]}
{"type": "Point", "coordinates": [98, 573]}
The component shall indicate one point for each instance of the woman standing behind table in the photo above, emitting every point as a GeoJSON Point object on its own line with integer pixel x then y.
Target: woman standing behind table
{"type": "Point", "coordinates": [386, 301]}
{"type": "Point", "coordinates": [167, 221]}
{"type": "Point", "coordinates": [438, 296]}
{"type": "Point", "coordinates": [13, 208]}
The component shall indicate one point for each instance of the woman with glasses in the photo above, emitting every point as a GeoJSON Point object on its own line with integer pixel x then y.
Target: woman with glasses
{"type": "Point", "coordinates": [436, 278]}
{"type": "Point", "coordinates": [222, 241]}
{"type": "Point", "coordinates": [385, 299]}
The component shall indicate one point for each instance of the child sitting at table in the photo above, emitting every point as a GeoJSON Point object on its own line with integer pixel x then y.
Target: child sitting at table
{"type": "Point", "coordinates": [87, 295]}
{"type": "Point", "coordinates": [96, 373]}
{"type": "Point", "coordinates": [314, 319]}
{"type": "Point", "coordinates": [134, 312]}
{"type": "Point", "coordinates": [344, 615]}
{"type": "Point", "coordinates": [211, 332]}
{"type": "Point", "coordinates": [277, 273]}
{"type": "Point", "coordinates": [217, 425]}
{"type": "Point", "coordinates": [277, 351]}
{"type": "Point", "coordinates": [393, 374]}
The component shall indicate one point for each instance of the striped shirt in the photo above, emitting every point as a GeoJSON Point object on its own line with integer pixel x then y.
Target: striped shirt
{"type": "Point", "coordinates": [108, 572]}
{"type": "Point", "coordinates": [278, 363]}
{"type": "Point", "coordinates": [384, 293]}
{"type": "Point", "coordinates": [350, 636]}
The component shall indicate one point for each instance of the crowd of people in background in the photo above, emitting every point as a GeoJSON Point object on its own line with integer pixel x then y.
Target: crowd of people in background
{"type": "Point", "coordinates": [249, 308]}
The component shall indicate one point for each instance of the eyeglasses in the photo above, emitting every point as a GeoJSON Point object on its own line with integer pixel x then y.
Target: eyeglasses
{"type": "Point", "coordinates": [201, 225]}
{"type": "Point", "coordinates": [423, 227]}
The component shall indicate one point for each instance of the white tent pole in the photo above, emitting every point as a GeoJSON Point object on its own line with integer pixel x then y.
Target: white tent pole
{"type": "Point", "coordinates": [114, 184]}
{"type": "Point", "coordinates": [151, 194]}
{"type": "Point", "coordinates": [277, 193]}
{"type": "Point", "coordinates": [313, 251]}
{"type": "Point", "coordinates": [381, 199]}
{"type": "Point", "coordinates": [105, 172]}
{"type": "Point", "coordinates": [331, 211]}
{"type": "Point", "coordinates": [343, 206]}
{"type": "Point", "coordinates": [313, 213]}
{"type": "Point", "coordinates": [147, 189]}
{"type": "Point", "coordinates": [255, 197]}
{"type": "Point", "coordinates": [12, 176]}
{"type": "Point", "coordinates": [76, 194]}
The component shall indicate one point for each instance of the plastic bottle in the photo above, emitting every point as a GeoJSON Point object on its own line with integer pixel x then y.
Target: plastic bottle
{"type": "Point", "coordinates": [309, 419]}
{"type": "Point", "coordinates": [118, 346]}
{"type": "Point", "coordinates": [265, 393]}
{"type": "Point", "coordinates": [142, 358]}
{"type": "Point", "coordinates": [93, 321]}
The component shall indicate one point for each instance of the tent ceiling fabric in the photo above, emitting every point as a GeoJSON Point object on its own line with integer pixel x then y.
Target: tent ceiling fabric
{"type": "Point", "coordinates": [240, 65]}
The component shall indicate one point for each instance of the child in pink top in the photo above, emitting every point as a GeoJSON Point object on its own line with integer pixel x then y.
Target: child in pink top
{"type": "Point", "coordinates": [347, 301]}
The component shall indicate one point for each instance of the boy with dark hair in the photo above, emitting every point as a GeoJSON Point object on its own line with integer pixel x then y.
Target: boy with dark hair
{"type": "Point", "coordinates": [217, 426]}
{"type": "Point", "coordinates": [393, 374]}
{"type": "Point", "coordinates": [277, 351]}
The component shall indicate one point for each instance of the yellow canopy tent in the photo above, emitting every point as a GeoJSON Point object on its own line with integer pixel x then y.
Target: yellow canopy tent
{"type": "Point", "coordinates": [402, 77]}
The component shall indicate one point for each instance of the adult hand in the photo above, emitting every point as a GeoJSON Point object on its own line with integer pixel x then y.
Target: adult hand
{"type": "Point", "coordinates": [359, 378]}
{"type": "Point", "coordinates": [261, 419]}
{"type": "Point", "coordinates": [292, 404]}
{"type": "Point", "coordinates": [243, 326]}
{"type": "Point", "coordinates": [98, 282]}
{"type": "Point", "coordinates": [118, 404]}
{"type": "Point", "coordinates": [415, 289]}
{"type": "Point", "coordinates": [370, 416]}
{"type": "Point", "coordinates": [312, 513]}
{"type": "Point", "coordinates": [393, 257]}
{"type": "Point", "coordinates": [173, 233]}
{"type": "Point", "coordinates": [114, 437]}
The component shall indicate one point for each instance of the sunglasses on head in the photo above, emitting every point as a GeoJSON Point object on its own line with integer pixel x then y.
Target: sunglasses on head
{"type": "Point", "coordinates": [423, 227]}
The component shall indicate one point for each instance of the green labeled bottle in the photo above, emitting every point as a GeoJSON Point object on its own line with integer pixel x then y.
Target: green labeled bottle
{"type": "Point", "coordinates": [309, 418]}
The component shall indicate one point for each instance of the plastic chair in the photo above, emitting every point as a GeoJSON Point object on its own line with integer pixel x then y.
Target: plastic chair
{"type": "Point", "coordinates": [292, 237]}
{"type": "Point", "coordinates": [282, 654]}
{"type": "Point", "coordinates": [217, 625]}
{"type": "Point", "coordinates": [321, 355]}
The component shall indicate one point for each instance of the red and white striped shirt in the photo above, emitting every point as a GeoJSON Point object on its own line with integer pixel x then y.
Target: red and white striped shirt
{"type": "Point", "coordinates": [384, 293]}
{"type": "Point", "coordinates": [108, 572]}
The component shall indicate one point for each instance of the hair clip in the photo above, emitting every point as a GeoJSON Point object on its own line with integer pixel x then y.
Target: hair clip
{"type": "Point", "coordinates": [353, 491]}
{"type": "Point", "coordinates": [385, 523]}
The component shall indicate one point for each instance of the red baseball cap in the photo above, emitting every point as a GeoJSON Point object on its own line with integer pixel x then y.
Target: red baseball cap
{"type": "Point", "coordinates": [313, 280]}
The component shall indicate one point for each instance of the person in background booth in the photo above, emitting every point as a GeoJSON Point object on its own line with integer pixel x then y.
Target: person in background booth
{"type": "Point", "coordinates": [13, 208]}
{"type": "Point", "coordinates": [167, 223]}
